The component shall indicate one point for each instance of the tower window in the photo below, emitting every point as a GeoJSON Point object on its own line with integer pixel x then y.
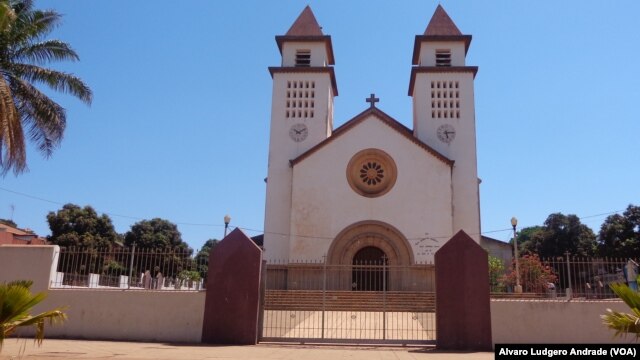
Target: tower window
{"type": "Point", "coordinates": [443, 57]}
{"type": "Point", "coordinates": [303, 57]}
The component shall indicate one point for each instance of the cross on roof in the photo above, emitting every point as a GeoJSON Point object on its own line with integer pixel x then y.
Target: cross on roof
{"type": "Point", "coordinates": [373, 100]}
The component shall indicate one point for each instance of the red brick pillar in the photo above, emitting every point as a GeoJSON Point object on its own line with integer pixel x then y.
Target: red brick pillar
{"type": "Point", "coordinates": [463, 313]}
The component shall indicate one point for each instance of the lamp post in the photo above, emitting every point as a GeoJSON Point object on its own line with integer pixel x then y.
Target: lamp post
{"type": "Point", "coordinates": [514, 223]}
{"type": "Point", "coordinates": [227, 220]}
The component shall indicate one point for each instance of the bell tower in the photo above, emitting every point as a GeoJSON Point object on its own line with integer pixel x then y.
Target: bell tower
{"type": "Point", "coordinates": [304, 86]}
{"type": "Point", "coordinates": [444, 114]}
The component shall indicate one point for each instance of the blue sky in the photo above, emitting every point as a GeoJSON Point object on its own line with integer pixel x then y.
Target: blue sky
{"type": "Point", "coordinates": [180, 120]}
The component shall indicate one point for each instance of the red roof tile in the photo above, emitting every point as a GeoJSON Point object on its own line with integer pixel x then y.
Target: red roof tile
{"type": "Point", "coordinates": [305, 25]}
{"type": "Point", "coordinates": [441, 24]}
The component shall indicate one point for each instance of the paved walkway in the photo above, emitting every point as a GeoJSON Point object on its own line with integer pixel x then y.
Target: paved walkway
{"type": "Point", "coordinates": [81, 349]}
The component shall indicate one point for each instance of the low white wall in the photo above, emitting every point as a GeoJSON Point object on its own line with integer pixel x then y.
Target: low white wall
{"type": "Point", "coordinates": [144, 315]}
{"type": "Point", "coordinates": [562, 322]}
{"type": "Point", "coordinates": [170, 316]}
{"type": "Point", "coordinates": [32, 262]}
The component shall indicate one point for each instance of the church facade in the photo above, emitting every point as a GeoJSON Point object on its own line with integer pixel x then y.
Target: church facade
{"type": "Point", "coordinates": [372, 187]}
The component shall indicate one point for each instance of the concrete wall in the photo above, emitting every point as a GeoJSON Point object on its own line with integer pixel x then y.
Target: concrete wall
{"type": "Point", "coordinates": [33, 262]}
{"type": "Point", "coordinates": [170, 316]}
{"type": "Point", "coordinates": [144, 315]}
{"type": "Point", "coordinates": [518, 321]}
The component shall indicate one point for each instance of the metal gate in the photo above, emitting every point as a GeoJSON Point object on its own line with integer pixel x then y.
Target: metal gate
{"type": "Point", "coordinates": [367, 302]}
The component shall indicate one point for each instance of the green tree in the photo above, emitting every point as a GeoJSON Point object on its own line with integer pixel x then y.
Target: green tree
{"type": "Point", "coordinates": [23, 52]}
{"type": "Point", "coordinates": [496, 274]}
{"type": "Point", "coordinates": [155, 234]}
{"type": "Point", "coordinates": [624, 323]}
{"type": "Point", "coordinates": [202, 257]}
{"type": "Point", "coordinates": [82, 227]}
{"type": "Point", "coordinates": [529, 239]}
{"type": "Point", "coordinates": [619, 235]}
{"type": "Point", "coordinates": [16, 302]}
{"type": "Point", "coordinates": [159, 248]}
{"type": "Point", "coordinates": [559, 234]}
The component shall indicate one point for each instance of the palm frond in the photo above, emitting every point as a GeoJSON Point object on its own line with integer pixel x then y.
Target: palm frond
{"type": "Point", "coordinates": [629, 296]}
{"type": "Point", "coordinates": [12, 147]}
{"type": "Point", "coordinates": [22, 48]}
{"type": "Point", "coordinates": [7, 15]}
{"type": "Point", "coordinates": [33, 24]}
{"type": "Point", "coordinates": [45, 51]}
{"type": "Point", "coordinates": [57, 80]}
{"type": "Point", "coordinates": [624, 323]}
{"type": "Point", "coordinates": [16, 301]}
{"type": "Point", "coordinates": [44, 117]}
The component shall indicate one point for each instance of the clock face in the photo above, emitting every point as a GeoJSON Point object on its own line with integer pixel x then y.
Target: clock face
{"type": "Point", "coordinates": [298, 132]}
{"type": "Point", "coordinates": [446, 133]}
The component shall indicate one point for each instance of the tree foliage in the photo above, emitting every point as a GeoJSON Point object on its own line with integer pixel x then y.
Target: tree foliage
{"type": "Point", "coordinates": [496, 273]}
{"type": "Point", "coordinates": [155, 234]}
{"type": "Point", "coordinates": [23, 107]}
{"type": "Point", "coordinates": [619, 235]}
{"type": "Point", "coordinates": [76, 226]}
{"type": "Point", "coordinates": [559, 234]}
{"type": "Point", "coordinates": [202, 258]}
{"type": "Point", "coordinates": [624, 323]}
{"type": "Point", "coordinates": [16, 302]}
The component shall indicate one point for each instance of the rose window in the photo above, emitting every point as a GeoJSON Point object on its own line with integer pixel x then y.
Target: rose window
{"type": "Point", "coordinates": [371, 172]}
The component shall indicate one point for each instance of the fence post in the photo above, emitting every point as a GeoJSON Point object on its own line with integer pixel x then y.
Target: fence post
{"type": "Point", "coordinates": [384, 297]}
{"type": "Point", "coordinates": [568, 277]}
{"type": "Point", "coordinates": [324, 289]}
{"type": "Point", "coordinates": [133, 252]}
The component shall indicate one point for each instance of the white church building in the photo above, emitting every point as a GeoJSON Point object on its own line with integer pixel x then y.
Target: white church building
{"type": "Point", "coordinates": [371, 188]}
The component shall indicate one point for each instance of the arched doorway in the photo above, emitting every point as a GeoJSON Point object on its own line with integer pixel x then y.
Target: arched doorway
{"type": "Point", "coordinates": [369, 271]}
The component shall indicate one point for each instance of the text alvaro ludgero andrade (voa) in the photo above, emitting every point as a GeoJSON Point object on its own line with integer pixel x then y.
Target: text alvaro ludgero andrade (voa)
{"type": "Point", "coordinates": [567, 351]}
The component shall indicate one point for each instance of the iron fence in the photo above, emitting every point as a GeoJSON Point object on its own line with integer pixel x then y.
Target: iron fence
{"type": "Point", "coordinates": [130, 268]}
{"type": "Point", "coordinates": [563, 277]}
{"type": "Point", "coordinates": [369, 301]}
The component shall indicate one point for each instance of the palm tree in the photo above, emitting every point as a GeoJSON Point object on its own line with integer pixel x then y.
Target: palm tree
{"type": "Point", "coordinates": [16, 301]}
{"type": "Point", "coordinates": [23, 50]}
{"type": "Point", "coordinates": [624, 323]}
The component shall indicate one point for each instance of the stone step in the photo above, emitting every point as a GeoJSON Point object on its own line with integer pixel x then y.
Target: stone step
{"type": "Point", "coordinates": [312, 300]}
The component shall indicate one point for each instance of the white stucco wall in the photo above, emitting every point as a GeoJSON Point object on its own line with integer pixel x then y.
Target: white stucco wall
{"type": "Point", "coordinates": [172, 316]}
{"type": "Point", "coordinates": [462, 149]}
{"type": "Point", "coordinates": [34, 262]}
{"type": "Point", "coordinates": [324, 204]}
{"type": "Point", "coordinates": [282, 149]}
{"type": "Point", "coordinates": [553, 322]}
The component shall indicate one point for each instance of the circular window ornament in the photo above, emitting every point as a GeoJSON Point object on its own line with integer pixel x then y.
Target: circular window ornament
{"type": "Point", "coordinates": [371, 172]}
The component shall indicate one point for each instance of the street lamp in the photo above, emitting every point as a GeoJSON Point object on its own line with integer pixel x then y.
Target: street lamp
{"type": "Point", "coordinates": [514, 223]}
{"type": "Point", "coordinates": [227, 220]}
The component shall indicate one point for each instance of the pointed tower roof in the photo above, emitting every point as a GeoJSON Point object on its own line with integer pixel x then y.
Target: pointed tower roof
{"type": "Point", "coordinates": [307, 29]}
{"type": "Point", "coordinates": [305, 25]}
{"type": "Point", "coordinates": [440, 28]}
{"type": "Point", "coordinates": [441, 24]}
